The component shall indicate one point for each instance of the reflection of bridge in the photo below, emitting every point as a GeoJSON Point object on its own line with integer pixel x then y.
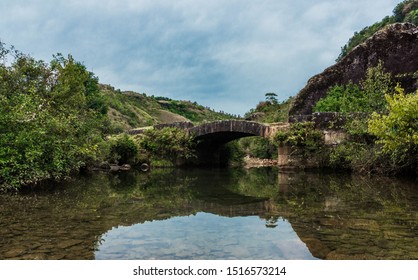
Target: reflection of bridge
{"type": "Point", "coordinates": [320, 209]}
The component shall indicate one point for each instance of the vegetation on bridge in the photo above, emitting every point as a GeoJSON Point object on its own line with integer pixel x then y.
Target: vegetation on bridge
{"type": "Point", "coordinates": [270, 110]}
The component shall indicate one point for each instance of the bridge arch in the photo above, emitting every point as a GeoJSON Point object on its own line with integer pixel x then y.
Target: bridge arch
{"type": "Point", "coordinates": [212, 136]}
{"type": "Point", "coordinates": [221, 132]}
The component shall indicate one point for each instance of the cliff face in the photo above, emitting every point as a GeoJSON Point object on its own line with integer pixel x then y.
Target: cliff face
{"type": "Point", "coordinates": [395, 45]}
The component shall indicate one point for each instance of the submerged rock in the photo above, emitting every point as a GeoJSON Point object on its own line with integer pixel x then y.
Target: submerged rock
{"type": "Point", "coordinates": [115, 167]}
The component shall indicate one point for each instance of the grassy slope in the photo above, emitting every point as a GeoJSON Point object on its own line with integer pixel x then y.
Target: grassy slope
{"type": "Point", "coordinates": [268, 112]}
{"type": "Point", "coordinates": [131, 110]}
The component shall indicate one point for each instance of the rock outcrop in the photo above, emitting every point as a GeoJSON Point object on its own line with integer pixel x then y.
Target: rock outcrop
{"type": "Point", "coordinates": [396, 46]}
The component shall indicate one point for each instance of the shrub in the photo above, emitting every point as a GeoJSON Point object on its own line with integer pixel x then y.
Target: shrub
{"type": "Point", "coordinates": [300, 135]}
{"type": "Point", "coordinates": [397, 131]}
{"type": "Point", "coordinates": [169, 143]}
{"type": "Point", "coordinates": [367, 98]}
{"type": "Point", "coordinates": [123, 149]}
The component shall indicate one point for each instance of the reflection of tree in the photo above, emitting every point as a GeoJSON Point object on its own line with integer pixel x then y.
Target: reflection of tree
{"type": "Point", "coordinates": [256, 182]}
{"type": "Point", "coordinates": [79, 213]}
{"type": "Point", "coordinates": [336, 216]}
{"type": "Point", "coordinates": [351, 217]}
{"type": "Point", "coordinates": [70, 220]}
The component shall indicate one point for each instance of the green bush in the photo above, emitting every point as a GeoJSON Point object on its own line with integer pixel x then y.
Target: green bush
{"type": "Point", "coordinates": [303, 137]}
{"type": "Point", "coordinates": [257, 147]}
{"type": "Point", "coordinates": [397, 131]}
{"type": "Point", "coordinates": [271, 111]}
{"type": "Point", "coordinates": [123, 149]}
{"type": "Point", "coordinates": [367, 98]}
{"type": "Point", "coordinates": [342, 98]}
{"type": "Point", "coordinates": [169, 143]}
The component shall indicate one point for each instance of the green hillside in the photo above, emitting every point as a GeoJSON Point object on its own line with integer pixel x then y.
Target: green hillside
{"type": "Point", "coordinates": [270, 110]}
{"type": "Point", "coordinates": [406, 11]}
{"type": "Point", "coordinates": [128, 109]}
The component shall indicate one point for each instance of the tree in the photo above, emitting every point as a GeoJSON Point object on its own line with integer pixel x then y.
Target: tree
{"type": "Point", "coordinates": [397, 130]}
{"type": "Point", "coordinates": [271, 97]}
{"type": "Point", "coordinates": [48, 128]}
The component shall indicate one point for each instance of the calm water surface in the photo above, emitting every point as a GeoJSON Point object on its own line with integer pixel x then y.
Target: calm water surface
{"type": "Point", "coordinates": [213, 214]}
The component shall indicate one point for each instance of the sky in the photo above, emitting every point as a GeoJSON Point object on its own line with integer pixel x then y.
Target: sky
{"type": "Point", "coordinates": [224, 54]}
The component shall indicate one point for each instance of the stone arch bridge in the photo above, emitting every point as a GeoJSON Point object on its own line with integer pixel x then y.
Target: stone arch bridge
{"type": "Point", "coordinates": [224, 131]}
{"type": "Point", "coordinates": [212, 135]}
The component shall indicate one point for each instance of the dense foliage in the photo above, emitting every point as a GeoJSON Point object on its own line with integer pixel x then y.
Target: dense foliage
{"type": "Point", "coordinates": [123, 149]}
{"type": "Point", "coordinates": [367, 97]}
{"type": "Point", "coordinates": [170, 143]}
{"type": "Point", "coordinates": [406, 11]}
{"type": "Point", "coordinates": [258, 147]}
{"type": "Point", "coordinates": [303, 137]}
{"type": "Point", "coordinates": [254, 147]}
{"type": "Point", "coordinates": [270, 110]}
{"type": "Point", "coordinates": [50, 118]}
{"type": "Point", "coordinates": [397, 130]}
{"type": "Point", "coordinates": [383, 134]}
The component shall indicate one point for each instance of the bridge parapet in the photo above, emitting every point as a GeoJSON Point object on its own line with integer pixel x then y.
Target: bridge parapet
{"type": "Point", "coordinates": [181, 125]}
{"type": "Point", "coordinates": [241, 127]}
{"type": "Point", "coordinates": [232, 126]}
{"type": "Point", "coordinates": [275, 127]}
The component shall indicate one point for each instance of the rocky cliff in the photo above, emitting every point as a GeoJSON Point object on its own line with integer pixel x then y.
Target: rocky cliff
{"type": "Point", "coordinates": [395, 45]}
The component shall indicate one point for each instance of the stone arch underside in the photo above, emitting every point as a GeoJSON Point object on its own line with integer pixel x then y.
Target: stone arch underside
{"type": "Point", "coordinates": [222, 132]}
{"type": "Point", "coordinates": [212, 136]}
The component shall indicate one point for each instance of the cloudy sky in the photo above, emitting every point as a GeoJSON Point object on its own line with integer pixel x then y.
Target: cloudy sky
{"type": "Point", "coordinates": [225, 54]}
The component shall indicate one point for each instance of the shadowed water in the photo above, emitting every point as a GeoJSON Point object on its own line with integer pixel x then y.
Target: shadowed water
{"type": "Point", "coordinates": [213, 214]}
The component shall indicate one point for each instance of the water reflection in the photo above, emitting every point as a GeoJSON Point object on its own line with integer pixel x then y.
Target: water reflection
{"type": "Point", "coordinates": [204, 236]}
{"type": "Point", "coordinates": [352, 217]}
{"type": "Point", "coordinates": [240, 214]}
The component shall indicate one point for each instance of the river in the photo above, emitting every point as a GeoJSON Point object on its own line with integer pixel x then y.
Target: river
{"type": "Point", "coordinates": [260, 213]}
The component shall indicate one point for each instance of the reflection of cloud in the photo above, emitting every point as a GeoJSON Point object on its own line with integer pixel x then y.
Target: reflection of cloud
{"type": "Point", "coordinates": [224, 54]}
{"type": "Point", "coordinates": [203, 236]}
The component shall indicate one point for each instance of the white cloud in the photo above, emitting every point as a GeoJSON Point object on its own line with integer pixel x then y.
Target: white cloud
{"type": "Point", "coordinates": [223, 54]}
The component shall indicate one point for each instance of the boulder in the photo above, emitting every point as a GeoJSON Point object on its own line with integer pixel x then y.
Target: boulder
{"type": "Point", "coordinates": [396, 45]}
